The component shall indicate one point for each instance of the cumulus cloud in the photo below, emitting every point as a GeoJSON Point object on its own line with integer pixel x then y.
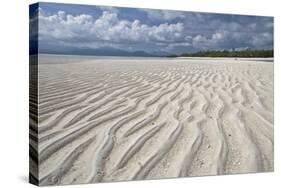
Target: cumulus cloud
{"type": "Point", "coordinates": [166, 15]}
{"type": "Point", "coordinates": [170, 31]}
{"type": "Point", "coordinates": [262, 39]}
{"type": "Point", "coordinates": [109, 9]}
{"type": "Point", "coordinates": [212, 42]}
{"type": "Point", "coordinates": [107, 27]}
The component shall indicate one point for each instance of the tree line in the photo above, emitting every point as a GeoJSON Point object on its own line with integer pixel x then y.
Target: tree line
{"type": "Point", "coordinates": [227, 53]}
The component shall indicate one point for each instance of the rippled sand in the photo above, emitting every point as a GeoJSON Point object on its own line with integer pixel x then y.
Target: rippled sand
{"type": "Point", "coordinates": [118, 120]}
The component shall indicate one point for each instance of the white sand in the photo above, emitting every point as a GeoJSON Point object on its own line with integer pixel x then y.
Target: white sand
{"type": "Point", "coordinates": [116, 120]}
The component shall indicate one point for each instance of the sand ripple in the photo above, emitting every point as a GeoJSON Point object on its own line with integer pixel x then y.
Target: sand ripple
{"type": "Point", "coordinates": [116, 120]}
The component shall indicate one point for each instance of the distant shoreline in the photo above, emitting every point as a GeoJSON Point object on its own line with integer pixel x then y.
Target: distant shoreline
{"type": "Point", "coordinates": [247, 53]}
{"type": "Point", "coordinates": [87, 57]}
{"type": "Point", "coordinates": [234, 58]}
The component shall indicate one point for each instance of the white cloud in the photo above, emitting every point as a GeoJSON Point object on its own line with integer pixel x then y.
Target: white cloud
{"type": "Point", "coordinates": [109, 9]}
{"type": "Point", "coordinates": [262, 39]}
{"type": "Point", "coordinates": [200, 41]}
{"type": "Point", "coordinates": [165, 15]}
{"type": "Point", "coordinates": [217, 36]}
{"type": "Point", "coordinates": [177, 44]}
{"type": "Point", "coordinates": [203, 42]}
{"type": "Point", "coordinates": [175, 31]}
{"type": "Point", "coordinates": [107, 27]}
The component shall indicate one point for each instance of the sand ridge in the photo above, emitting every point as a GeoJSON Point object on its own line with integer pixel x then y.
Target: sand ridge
{"type": "Point", "coordinates": [116, 120]}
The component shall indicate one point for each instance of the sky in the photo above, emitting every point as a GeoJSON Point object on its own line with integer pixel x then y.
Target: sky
{"type": "Point", "coordinates": [103, 30]}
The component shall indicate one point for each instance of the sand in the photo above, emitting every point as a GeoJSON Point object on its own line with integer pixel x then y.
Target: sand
{"type": "Point", "coordinates": [103, 120]}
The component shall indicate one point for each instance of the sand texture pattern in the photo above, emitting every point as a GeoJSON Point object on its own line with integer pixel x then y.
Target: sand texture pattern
{"type": "Point", "coordinates": [131, 119]}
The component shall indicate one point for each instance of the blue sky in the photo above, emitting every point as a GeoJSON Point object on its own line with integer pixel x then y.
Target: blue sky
{"type": "Point", "coordinates": [69, 28]}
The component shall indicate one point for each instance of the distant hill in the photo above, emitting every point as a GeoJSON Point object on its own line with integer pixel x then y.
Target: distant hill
{"type": "Point", "coordinates": [229, 53]}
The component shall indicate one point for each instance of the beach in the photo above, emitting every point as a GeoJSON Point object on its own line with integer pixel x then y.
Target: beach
{"type": "Point", "coordinates": [103, 120]}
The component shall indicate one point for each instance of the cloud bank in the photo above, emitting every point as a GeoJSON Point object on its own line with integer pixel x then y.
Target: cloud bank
{"type": "Point", "coordinates": [151, 30]}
